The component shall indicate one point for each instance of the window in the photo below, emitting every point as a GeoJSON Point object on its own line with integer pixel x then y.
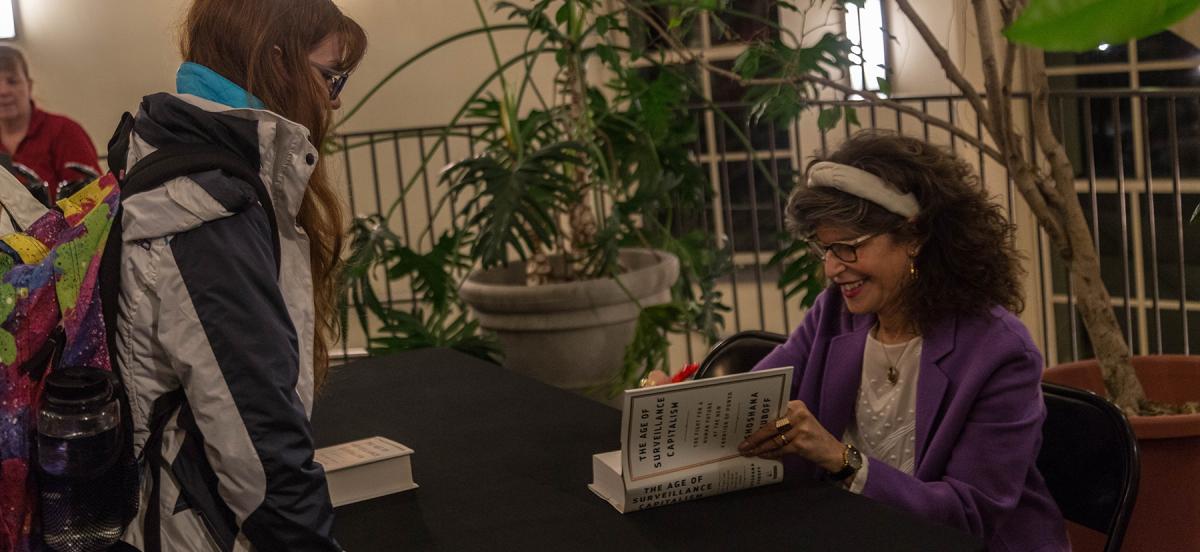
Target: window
{"type": "Point", "coordinates": [1132, 110]}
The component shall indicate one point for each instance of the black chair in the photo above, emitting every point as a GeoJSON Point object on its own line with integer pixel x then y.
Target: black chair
{"type": "Point", "coordinates": [1089, 459]}
{"type": "Point", "coordinates": [738, 353]}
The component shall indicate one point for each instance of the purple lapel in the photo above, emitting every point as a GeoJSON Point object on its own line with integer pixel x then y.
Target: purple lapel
{"type": "Point", "coordinates": [843, 375]}
{"type": "Point", "coordinates": [931, 385]}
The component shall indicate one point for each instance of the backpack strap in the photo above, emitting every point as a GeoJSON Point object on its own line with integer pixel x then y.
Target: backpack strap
{"type": "Point", "coordinates": [186, 159]}
{"type": "Point", "coordinates": [160, 413]}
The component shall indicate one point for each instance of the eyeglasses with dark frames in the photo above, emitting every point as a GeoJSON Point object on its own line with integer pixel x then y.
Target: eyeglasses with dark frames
{"type": "Point", "coordinates": [335, 80]}
{"type": "Point", "coordinates": [846, 251]}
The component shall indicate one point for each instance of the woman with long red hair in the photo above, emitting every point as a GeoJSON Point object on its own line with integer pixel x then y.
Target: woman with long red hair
{"type": "Point", "coordinates": [223, 336]}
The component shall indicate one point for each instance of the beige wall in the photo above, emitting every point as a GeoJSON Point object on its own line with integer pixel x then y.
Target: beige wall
{"type": "Point", "coordinates": [94, 59]}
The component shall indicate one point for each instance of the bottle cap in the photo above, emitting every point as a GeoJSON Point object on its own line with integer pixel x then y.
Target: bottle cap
{"type": "Point", "coordinates": [78, 389]}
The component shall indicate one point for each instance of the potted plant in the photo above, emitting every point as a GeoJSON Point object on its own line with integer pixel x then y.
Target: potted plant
{"type": "Point", "coordinates": [567, 243]}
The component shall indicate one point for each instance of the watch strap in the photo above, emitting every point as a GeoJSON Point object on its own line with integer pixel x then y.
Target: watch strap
{"type": "Point", "coordinates": [848, 468]}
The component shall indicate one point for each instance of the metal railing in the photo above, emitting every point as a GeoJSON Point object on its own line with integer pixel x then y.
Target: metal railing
{"type": "Point", "coordinates": [1136, 154]}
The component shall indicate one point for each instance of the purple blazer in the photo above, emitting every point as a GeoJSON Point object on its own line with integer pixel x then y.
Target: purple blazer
{"type": "Point", "coordinates": [979, 420]}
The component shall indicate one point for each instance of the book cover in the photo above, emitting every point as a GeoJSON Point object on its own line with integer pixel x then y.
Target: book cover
{"type": "Point", "coordinates": [679, 441]}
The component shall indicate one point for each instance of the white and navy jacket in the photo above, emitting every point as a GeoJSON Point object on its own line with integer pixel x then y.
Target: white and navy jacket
{"type": "Point", "coordinates": [205, 316]}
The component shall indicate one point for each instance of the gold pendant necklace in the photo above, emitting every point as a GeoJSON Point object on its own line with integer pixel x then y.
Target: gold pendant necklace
{"type": "Point", "coordinates": [893, 375]}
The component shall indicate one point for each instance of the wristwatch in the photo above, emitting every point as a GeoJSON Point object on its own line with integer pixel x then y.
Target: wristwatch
{"type": "Point", "coordinates": [851, 462]}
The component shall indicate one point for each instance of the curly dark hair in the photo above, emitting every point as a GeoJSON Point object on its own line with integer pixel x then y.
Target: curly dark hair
{"type": "Point", "coordinates": [967, 261]}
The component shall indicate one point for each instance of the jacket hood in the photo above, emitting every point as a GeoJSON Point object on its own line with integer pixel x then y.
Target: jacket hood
{"type": "Point", "coordinates": [277, 148]}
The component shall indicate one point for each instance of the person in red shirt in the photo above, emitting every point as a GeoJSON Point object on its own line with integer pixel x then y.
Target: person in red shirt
{"type": "Point", "coordinates": [45, 143]}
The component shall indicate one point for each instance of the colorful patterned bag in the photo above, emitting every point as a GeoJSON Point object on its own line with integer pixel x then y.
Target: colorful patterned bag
{"type": "Point", "coordinates": [59, 285]}
{"type": "Point", "coordinates": [50, 310]}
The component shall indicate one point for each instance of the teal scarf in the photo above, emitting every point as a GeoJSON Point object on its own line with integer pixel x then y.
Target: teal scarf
{"type": "Point", "coordinates": [198, 80]}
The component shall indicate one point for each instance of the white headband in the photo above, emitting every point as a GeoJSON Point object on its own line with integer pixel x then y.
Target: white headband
{"type": "Point", "coordinates": [858, 182]}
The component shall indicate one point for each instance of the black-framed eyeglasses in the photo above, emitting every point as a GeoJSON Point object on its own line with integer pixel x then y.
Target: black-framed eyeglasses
{"type": "Point", "coordinates": [846, 251]}
{"type": "Point", "coordinates": [335, 80]}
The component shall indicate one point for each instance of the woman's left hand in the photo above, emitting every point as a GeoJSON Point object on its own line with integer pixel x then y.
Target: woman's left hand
{"type": "Point", "coordinates": [805, 436]}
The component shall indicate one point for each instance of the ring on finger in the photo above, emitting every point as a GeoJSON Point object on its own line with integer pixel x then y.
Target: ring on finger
{"type": "Point", "coordinates": [782, 440]}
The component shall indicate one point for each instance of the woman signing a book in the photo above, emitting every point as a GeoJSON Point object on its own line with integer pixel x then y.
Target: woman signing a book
{"type": "Point", "coordinates": [915, 384]}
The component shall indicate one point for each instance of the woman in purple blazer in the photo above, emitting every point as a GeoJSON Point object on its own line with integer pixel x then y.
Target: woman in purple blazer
{"type": "Point", "coordinates": [915, 384]}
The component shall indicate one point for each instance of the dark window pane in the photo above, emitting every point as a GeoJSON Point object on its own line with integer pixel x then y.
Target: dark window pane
{"type": "Point", "coordinates": [1112, 53]}
{"type": "Point", "coordinates": [1166, 233]}
{"type": "Point", "coordinates": [1165, 45]}
{"type": "Point", "coordinates": [1180, 78]}
{"type": "Point", "coordinates": [1114, 253]}
{"type": "Point", "coordinates": [761, 198]}
{"type": "Point", "coordinates": [1069, 113]}
{"type": "Point", "coordinates": [1173, 335]}
{"type": "Point", "coordinates": [1089, 81]}
{"type": "Point", "coordinates": [1162, 152]}
{"type": "Point", "coordinates": [756, 19]}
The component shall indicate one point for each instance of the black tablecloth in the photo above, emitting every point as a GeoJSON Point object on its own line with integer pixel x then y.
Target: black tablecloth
{"type": "Point", "coordinates": [503, 463]}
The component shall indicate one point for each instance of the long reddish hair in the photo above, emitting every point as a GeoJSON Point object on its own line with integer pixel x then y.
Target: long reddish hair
{"type": "Point", "coordinates": [263, 46]}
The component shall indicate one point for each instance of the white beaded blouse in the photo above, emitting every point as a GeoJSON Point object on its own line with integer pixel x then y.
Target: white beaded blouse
{"type": "Point", "coordinates": [885, 421]}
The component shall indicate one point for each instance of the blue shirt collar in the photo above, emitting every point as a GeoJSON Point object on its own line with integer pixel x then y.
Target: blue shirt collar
{"type": "Point", "coordinates": [198, 80]}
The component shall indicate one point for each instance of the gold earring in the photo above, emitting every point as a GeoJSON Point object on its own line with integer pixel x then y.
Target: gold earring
{"type": "Point", "coordinates": [912, 269]}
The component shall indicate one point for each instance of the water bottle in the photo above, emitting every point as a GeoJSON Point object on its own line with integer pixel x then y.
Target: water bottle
{"type": "Point", "coordinates": [78, 447]}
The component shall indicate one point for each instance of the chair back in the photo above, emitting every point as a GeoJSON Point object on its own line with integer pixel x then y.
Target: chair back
{"type": "Point", "coordinates": [1089, 459]}
{"type": "Point", "coordinates": [738, 353]}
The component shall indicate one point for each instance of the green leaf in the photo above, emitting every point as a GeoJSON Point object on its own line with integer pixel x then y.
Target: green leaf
{"type": "Point", "coordinates": [800, 271]}
{"type": "Point", "coordinates": [675, 23]}
{"type": "Point", "coordinates": [746, 64]}
{"type": "Point", "coordinates": [563, 14]}
{"type": "Point", "coordinates": [829, 118]}
{"type": "Point", "coordinates": [885, 86]}
{"type": "Point", "coordinates": [852, 116]}
{"type": "Point", "coordinates": [601, 25]}
{"type": "Point", "coordinates": [608, 55]}
{"type": "Point", "coordinates": [1078, 25]}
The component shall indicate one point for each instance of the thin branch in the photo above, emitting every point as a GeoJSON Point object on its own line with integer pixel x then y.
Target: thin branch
{"type": "Point", "coordinates": [1008, 11]}
{"type": "Point", "coordinates": [1000, 107]}
{"type": "Point", "coordinates": [1028, 182]}
{"type": "Point", "coordinates": [1060, 164]}
{"type": "Point", "coordinates": [870, 96]}
{"type": "Point", "coordinates": [952, 70]}
{"type": "Point", "coordinates": [1010, 52]}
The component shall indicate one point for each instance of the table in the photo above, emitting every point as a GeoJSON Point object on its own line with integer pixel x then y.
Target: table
{"type": "Point", "coordinates": [503, 463]}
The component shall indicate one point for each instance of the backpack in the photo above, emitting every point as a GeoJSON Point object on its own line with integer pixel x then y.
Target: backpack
{"type": "Point", "coordinates": [59, 289]}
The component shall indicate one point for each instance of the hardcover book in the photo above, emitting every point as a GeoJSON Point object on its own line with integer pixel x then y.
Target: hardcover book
{"type": "Point", "coordinates": [679, 441]}
{"type": "Point", "coordinates": [366, 469]}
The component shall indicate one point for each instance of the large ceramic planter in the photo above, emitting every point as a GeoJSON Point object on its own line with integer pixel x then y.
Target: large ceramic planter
{"type": "Point", "coordinates": [571, 335]}
{"type": "Point", "coordinates": [1167, 513]}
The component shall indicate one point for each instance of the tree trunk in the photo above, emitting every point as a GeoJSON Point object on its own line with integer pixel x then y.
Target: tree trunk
{"type": "Point", "coordinates": [1093, 300]}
